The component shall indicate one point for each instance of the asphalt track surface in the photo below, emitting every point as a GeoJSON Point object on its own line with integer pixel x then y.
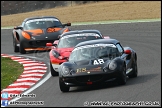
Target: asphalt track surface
{"type": "Point", "coordinates": [144, 38]}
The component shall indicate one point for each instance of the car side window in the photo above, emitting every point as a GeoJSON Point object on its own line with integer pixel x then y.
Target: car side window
{"type": "Point", "coordinates": [120, 48]}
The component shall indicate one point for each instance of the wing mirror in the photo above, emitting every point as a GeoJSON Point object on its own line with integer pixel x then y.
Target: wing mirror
{"type": "Point", "coordinates": [66, 58]}
{"type": "Point", "coordinates": [55, 45]}
{"type": "Point", "coordinates": [67, 24]}
{"type": "Point", "coordinates": [127, 51]}
{"type": "Point", "coordinates": [55, 42]}
{"type": "Point", "coordinates": [18, 27]}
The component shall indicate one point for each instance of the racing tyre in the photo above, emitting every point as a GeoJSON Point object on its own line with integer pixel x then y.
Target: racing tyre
{"type": "Point", "coordinates": [21, 49]}
{"type": "Point", "coordinates": [122, 79]}
{"type": "Point", "coordinates": [63, 87]}
{"type": "Point", "coordinates": [53, 72]}
{"type": "Point", "coordinates": [134, 71]}
{"type": "Point", "coordinates": [16, 48]}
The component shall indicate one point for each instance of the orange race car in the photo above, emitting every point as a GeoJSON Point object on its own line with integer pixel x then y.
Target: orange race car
{"type": "Point", "coordinates": [35, 32]}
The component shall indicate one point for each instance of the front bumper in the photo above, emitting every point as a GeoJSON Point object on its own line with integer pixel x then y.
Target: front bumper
{"type": "Point", "coordinates": [55, 67]}
{"type": "Point", "coordinates": [89, 79]}
{"type": "Point", "coordinates": [36, 43]}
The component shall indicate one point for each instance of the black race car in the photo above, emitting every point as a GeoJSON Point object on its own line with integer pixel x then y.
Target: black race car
{"type": "Point", "coordinates": [35, 32]}
{"type": "Point", "coordinates": [98, 61]}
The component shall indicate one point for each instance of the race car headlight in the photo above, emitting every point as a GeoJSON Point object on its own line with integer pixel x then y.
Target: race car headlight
{"type": "Point", "coordinates": [112, 65]}
{"type": "Point", "coordinates": [65, 71]}
{"type": "Point", "coordinates": [62, 58]}
{"type": "Point", "coordinates": [55, 54]}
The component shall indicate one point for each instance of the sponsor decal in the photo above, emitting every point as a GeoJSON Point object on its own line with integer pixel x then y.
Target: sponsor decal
{"type": "Point", "coordinates": [95, 45]}
{"type": "Point", "coordinates": [43, 19]}
{"type": "Point", "coordinates": [49, 30]}
{"type": "Point", "coordinates": [79, 70]}
{"type": "Point", "coordinates": [81, 34]}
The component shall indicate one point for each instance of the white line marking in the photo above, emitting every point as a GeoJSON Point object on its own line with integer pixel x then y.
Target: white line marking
{"type": "Point", "coordinates": [23, 62]}
{"type": "Point", "coordinates": [29, 68]}
{"type": "Point", "coordinates": [36, 67]}
{"type": "Point", "coordinates": [5, 56]}
{"type": "Point", "coordinates": [34, 64]}
{"type": "Point", "coordinates": [22, 59]}
{"type": "Point", "coordinates": [16, 57]}
{"type": "Point", "coordinates": [11, 89]}
{"type": "Point", "coordinates": [22, 83]}
{"type": "Point", "coordinates": [32, 75]}
{"type": "Point", "coordinates": [26, 56]}
{"type": "Point", "coordinates": [22, 79]}
{"type": "Point", "coordinates": [34, 71]}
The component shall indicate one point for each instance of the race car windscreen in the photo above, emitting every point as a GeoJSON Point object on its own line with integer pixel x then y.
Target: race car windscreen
{"type": "Point", "coordinates": [96, 51]}
{"type": "Point", "coordinates": [42, 23]}
{"type": "Point", "coordinates": [73, 39]}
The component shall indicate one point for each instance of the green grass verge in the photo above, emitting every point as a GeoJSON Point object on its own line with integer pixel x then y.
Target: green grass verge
{"type": "Point", "coordinates": [10, 71]}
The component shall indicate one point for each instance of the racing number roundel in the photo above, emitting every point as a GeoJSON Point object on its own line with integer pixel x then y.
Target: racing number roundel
{"type": "Point", "coordinates": [97, 62]}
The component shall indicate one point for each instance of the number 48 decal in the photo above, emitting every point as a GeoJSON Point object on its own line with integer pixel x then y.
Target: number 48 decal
{"type": "Point", "coordinates": [97, 62]}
